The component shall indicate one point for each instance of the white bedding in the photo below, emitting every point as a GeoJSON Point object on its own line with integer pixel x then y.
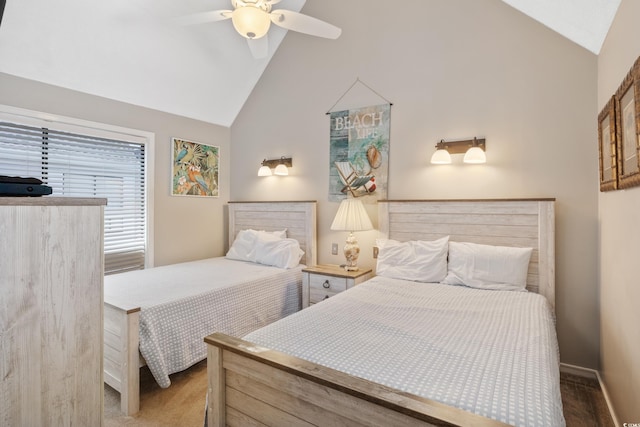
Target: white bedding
{"type": "Point", "coordinates": [494, 353]}
{"type": "Point", "coordinates": [182, 303]}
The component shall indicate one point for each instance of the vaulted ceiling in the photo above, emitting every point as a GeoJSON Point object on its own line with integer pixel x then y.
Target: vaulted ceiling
{"type": "Point", "coordinates": [137, 51]}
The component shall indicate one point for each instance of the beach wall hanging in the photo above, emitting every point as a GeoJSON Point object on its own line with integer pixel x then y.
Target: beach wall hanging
{"type": "Point", "coordinates": [359, 152]}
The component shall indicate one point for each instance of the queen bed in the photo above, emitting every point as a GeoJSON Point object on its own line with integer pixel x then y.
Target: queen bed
{"type": "Point", "coordinates": [393, 351]}
{"type": "Point", "coordinates": [159, 316]}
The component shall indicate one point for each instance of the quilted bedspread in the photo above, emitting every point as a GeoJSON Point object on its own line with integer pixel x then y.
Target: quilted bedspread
{"type": "Point", "coordinates": [493, 353]}
{"type": "Point", "coordinates": [183, 303]}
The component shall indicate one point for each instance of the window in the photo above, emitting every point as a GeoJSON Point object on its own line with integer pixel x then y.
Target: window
{"type": "Point", "coordinates": [82, 162]}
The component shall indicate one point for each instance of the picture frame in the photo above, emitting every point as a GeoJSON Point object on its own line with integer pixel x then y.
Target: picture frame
{"type": "Point", "coordinates": [627, 109]}
{"type": "Point", "coordinates": [194, 168]}
{"type": "Point", "coordinates": [607, 147]}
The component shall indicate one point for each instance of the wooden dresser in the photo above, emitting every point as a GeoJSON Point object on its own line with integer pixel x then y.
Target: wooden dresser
{"type": "Point", "coordinates": [51, 293]}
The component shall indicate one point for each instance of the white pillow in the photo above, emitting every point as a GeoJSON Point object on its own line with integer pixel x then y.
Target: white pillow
{"type": "Point", "coordinates": [281, 234]}
{"type": "Point", "coordinates": [488, 267]}
{"type": "Point", "coordinates": [269, 236]}
{"type": "Point", "coordinates": [244, 244]}
{"type": "Point", "coordinates": [418, 260]}
{"type": "Point", "coordinates": [282, 253]}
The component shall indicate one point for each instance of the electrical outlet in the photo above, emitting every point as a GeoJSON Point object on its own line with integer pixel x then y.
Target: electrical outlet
{"type": "Point", "coordinates": [375, 252]}
{"type": "Point", "coordinates": [334, 249]}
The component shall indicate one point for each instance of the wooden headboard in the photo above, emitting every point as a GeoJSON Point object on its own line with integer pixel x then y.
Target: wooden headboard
{"type": "Point", "coordinates": [298, 217]}
{"type": "Point", "coordinates": [507, 222]}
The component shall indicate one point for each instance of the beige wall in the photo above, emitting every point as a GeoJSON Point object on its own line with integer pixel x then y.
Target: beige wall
{"type": "Point", "coordinates": [453, 69]}
{"type": "Point", "coordinates": [619, 213]}
{"type": "Point", "coordinates": [185, 228]}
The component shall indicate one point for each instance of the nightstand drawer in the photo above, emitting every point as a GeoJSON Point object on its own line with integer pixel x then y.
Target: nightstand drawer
{"type": "Point", "coordinates": [322, 287]}
{"type": "Point", "coordinates": [328, 283]}
{"type": "Point", "coordinates": [317, 295]}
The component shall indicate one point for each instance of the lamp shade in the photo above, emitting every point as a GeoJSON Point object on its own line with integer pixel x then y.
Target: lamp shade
{"type": "Point", "coordinates": [475, 155]}
{"type": "Point", "coordinates": [281, 170]}
{"type": "Point", "coordinates": [264, 171]}
{"type": "Point", "coordinates": [351, 216]}
{"type": "Point", "coordinates": [250, 21]}
{"type": "Point", "coordinates": [441, 157]}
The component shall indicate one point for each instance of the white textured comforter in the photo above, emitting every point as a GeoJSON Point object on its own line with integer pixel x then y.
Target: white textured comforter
{"type": "Point", "coordinates": [183, 303]}
{"type": "Point", "coordinates": [494, 353]}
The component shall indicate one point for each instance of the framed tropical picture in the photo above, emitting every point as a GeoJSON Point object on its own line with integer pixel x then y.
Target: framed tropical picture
{"type": "Point", "coordinates": [628, 128]}
{"type": "Point", "coordinates": [607, 147]}
{"type": "Point", "coordinates": [194, 168]}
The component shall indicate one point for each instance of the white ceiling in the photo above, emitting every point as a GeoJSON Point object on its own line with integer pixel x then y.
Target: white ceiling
{"type": "Point", "coordinates": [136, 51]}
{"type": "Point", "coordinates": [585, 22]}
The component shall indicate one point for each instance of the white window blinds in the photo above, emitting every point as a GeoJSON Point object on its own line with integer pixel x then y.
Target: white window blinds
{"type": "Point", "coordinates": [77, 165]}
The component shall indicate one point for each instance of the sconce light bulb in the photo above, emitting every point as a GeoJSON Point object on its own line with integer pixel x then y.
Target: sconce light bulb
{"type": "Point", "coordinates": [264, 171]}
{"type": "Point", "coordinates": [281, 170]}
{"type": "Point", "coordinates": [441, 157]}
{"type": "Point", "coordinates": [475, 155]}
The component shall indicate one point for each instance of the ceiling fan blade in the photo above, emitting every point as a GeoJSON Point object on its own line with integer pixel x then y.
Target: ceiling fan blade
{"type": "Point", "coordinates": [295, 21]}
{"type": "Point", "coordinates": [205, 17]}
{"type": "Point", "coordinates": [259, 47]}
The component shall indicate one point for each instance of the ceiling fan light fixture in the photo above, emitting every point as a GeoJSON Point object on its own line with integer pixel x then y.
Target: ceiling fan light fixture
{"type": "Point", "coordinates": [251, 21]}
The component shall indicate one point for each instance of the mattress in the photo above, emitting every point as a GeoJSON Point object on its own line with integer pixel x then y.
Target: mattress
{"type": "Point", "coordinates": [182, 303]}
{"type": "Point", "coordinates": [493, 353]}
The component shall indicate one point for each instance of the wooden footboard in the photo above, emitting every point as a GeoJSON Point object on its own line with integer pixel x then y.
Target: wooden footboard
{"type": "Point", "coordinates": [121, 356]}
{"type": "Point", "coordinates": [251, 385]}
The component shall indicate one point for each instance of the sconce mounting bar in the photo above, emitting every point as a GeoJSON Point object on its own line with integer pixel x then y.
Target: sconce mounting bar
{"type": "Point", "coordinates": [461, 147]}
{"type": "Point", "coordinates": [287, 161]}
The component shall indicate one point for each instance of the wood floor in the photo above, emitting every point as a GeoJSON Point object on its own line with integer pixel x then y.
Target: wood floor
{"type": "Point", "coordinates": [180, 405]}
{"type": "Point", "coordinates": [183, 403]}
{"type": "Point", "coordinates": [583, 403]}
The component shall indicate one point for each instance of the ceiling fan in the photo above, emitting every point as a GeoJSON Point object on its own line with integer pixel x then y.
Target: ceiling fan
{"type": "Point", "coordinates": [252, 19]}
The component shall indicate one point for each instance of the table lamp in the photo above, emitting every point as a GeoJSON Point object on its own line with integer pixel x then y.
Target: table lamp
{"type": "Point", "coordinates": [351, 216]}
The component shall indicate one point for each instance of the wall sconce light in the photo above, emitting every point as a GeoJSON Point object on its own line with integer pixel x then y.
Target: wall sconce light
{"type": "Point", "coordinates": [441, 155]}
{"type": "Point", "coordinates": [264, 170]}
{"type": "Point", "coordinates": [281, 166]}
{"type": "Point", "coordinates": [473, 149]}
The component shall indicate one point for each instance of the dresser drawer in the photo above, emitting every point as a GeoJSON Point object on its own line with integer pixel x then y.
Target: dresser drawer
{"type": "Point", "coordinates": [322, 287]}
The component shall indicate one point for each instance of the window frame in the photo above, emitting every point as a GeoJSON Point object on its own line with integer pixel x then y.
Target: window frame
{"type": "Point", "coordinates": [100, 130]}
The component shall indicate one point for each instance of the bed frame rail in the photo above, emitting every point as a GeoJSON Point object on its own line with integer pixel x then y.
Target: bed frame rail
{"type": "Point", "coordinates": [120, 355]}
{"type": "Point", "coordinates": [252, 385]}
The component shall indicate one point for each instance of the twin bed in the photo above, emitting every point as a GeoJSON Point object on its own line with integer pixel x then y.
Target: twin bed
{"type": "Point", "coordinates": [159, 316]}
{"type": "Point", "coordinates": [403, 352]}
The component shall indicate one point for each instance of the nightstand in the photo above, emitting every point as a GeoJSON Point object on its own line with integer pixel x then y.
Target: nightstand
{"type": "Point", "coordinates": [323, 281]}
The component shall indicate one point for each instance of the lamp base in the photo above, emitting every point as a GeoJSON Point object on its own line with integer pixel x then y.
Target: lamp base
{"type": "Point", "coordinates": [351, 253]}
